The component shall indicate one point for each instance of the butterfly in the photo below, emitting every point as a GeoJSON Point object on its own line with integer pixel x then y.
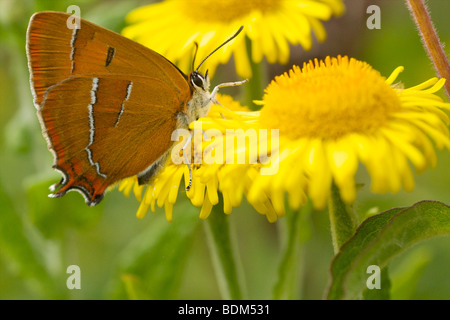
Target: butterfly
{"type": "Point", "coordinates": [108, 105]}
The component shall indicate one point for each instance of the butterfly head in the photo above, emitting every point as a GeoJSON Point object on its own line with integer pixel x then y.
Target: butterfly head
{"type": "Point", "coordinates": [197, 81]}
{"type": "Point", "coordinates": [202, 99]}
{"type": "Point", "coordinates": [200, 102]}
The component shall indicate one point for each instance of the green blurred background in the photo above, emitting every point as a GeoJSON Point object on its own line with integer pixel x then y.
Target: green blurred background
{"type": "Point", "coordinates": [121, 256]}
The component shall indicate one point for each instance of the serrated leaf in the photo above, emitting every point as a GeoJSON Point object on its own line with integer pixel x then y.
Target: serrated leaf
{"type": "Point", "coordinates": [381, 237]}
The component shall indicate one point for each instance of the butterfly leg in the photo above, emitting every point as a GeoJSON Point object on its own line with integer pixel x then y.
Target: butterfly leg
{"type": "Point", "coordinates": [226, 84]}
{"type": "Point", "coordinates": [216, 90]}
{"type": "Point", "coordinates": [222, 106]}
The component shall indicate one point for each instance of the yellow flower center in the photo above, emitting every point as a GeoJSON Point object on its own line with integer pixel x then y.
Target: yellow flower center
{"type": "Point", "coordinates": [224, 10]}
{"type": "Point", "coordinates": [328, 99]}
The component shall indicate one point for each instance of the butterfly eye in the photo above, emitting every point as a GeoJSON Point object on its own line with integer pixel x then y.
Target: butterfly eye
{"type": "Point", "coordinates": [197, 79]}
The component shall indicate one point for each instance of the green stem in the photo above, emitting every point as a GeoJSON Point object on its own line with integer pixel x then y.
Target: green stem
{"type": "Point", "coordinates": [296, 231]}
{"type": "Point", "coordinates": [343, 220]}
{"type": "Point", "coordinates": [225, 258]}
{"type": "Point", "coordinates": [255, 87]}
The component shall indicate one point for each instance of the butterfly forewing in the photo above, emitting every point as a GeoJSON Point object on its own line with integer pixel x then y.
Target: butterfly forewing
{"type": "Point", "coordinates": [56, 52]}
{"type": "Point", "coordinates": [107, 105]}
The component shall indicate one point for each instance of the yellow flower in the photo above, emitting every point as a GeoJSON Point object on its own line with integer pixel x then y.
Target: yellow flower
{"type": "Point", "coordinates": [232, 180]}
{"type": "Point", "coordinates": [329, 116]}
{"type": "Point", "coordinates": [333, 114]}
{"type": "Point", "coordinates": [170, 27]}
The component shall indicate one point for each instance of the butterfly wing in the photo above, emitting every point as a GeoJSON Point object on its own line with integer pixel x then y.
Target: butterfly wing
{"type": "Point", "coordinates": [56, 52]}
{"type": "Point", "coordinates": [107, 113]}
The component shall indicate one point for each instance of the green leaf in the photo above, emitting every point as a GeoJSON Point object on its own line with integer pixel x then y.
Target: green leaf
{"type": "Point", "coordinates": [152, 265]}
{"type": "Point", "coordinates": [381, 237]}
{"type": "Point", "coordinates": [406, 276]}
{"type": "Point", "coordinates": [384, 293]}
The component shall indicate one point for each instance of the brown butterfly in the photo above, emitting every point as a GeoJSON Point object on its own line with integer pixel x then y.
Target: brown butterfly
{"type": "Point", "coordinates": [108, 105]}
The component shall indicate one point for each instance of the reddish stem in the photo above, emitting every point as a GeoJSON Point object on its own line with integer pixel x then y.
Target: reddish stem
{"type": "Point", "coordinates": [430, 40]}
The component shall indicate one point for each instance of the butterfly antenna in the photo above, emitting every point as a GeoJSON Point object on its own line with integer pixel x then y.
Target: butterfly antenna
{"type": "Point", "coordinates": [231, 38]}
{"type": "Point", "coordinates": [195, 55]}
